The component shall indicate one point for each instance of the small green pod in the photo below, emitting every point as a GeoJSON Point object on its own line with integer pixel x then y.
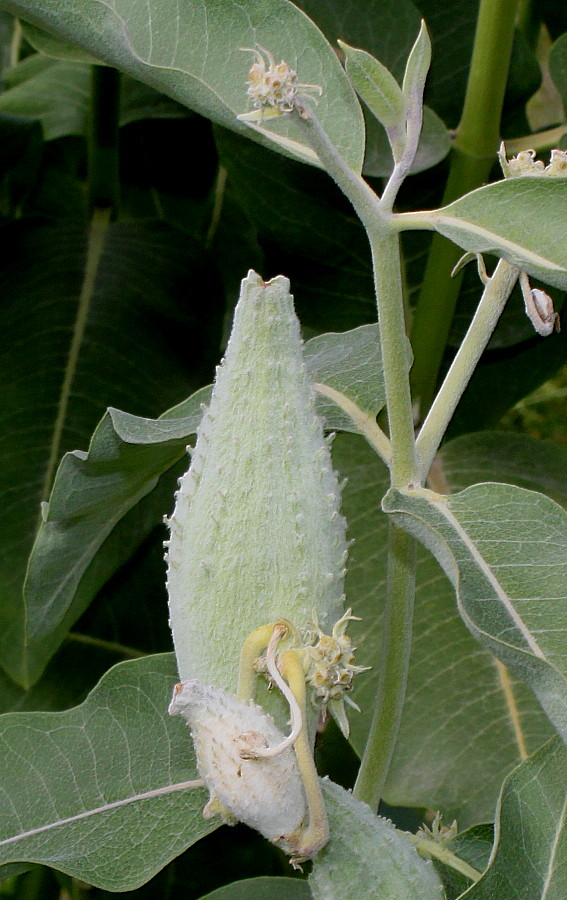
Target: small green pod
{"type": "Point", "coordinates": [256, 533]}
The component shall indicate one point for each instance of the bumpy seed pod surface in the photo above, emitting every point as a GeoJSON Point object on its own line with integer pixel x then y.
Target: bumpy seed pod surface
{"type": "Point", "coordinates": [256, 534]}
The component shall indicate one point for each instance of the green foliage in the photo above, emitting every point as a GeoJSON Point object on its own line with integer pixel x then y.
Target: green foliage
{"type": "Point", "coordinates": [478, 536]}
{"type": "Point", "coordinates": [530, 853]}
{"type": "Point", "coordinates": [437, 748]}
{"type": "Point", "coordinates": [90, 781]}
{"type": "Point", "coordinates": [117, 299]}
{"type": "Point", "coordinates": [530, 239]}
{"type": "Point", "coordinates": [207, 76]}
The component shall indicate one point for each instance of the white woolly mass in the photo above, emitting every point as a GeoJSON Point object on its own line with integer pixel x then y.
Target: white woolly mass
{"type": "Point", "coordinates": [265, 794]}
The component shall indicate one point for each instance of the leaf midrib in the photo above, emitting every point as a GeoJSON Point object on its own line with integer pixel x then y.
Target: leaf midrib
{"type": "Point", "coordinates": [97, 234]}
{"type": "Point", "coordinates": [135, 798]}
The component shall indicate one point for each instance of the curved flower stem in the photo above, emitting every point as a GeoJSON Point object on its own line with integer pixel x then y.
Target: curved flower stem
{"type": "Point", "coordinates": [280, 630]}
{"type": "Point", "coordinates": [490, 308]}
{"type": "Point", "coordinates": [393, 671]}
{"type": "Point", "coordinates": [315, 833]}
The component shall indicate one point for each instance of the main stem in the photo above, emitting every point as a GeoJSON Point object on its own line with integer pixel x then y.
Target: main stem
{"type": "Point", "coordinates": [393, 671]}
{"type": "Point", "coordinates": [386, 263]}
{"type": "Point", "coordinates": [476, 142]}
{"type": "Point", "coordinates": [398, 617]}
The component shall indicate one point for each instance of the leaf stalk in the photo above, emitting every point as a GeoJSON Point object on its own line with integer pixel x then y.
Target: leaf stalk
{"type": "Point", "coordinates": [484, 321]}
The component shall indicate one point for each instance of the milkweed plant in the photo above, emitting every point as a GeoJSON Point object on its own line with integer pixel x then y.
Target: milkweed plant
{"type": "Point", "coordinates": [278, 641]}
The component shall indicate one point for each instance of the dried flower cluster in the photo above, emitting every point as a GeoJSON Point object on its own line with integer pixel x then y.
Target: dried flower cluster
{"type": "Point", "coordinates": [329, 666]}
{"type": "Point", "coordinates": [525, 163]}
{"type": "Point", "coordinates": [274, 89]}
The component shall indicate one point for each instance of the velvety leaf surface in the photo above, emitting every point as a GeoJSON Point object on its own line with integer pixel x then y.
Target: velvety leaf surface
{"type": "Point", "coordinates": [92, 494]}
{"type": "Point", "coordinates": [72, 361]}
{"type": "Point", "coordinates": [191, 52]}
{"type": "Point", "coordinates": [351, 363]}
{"type": "Point", "coordinates": [434, 145]}
{"type": "Point", "coordinates": [378, 88]}
{"type": "Point", "coordinates": [460, 703]}
{"type": "Point", "coordinates": [387, 30]}
{"type": "Point", "coordinates": [528, 235]}
{"type": "Point", "coordinates": [366, 857]}
{"type": "Point", "coordinates": [102, 796]}
{"type": "Point", "coordinates": [259, 888]}
{"type": "Point", "coordinates": [530, 860]}
{"type": "Point", "coordinates": [505, 550]}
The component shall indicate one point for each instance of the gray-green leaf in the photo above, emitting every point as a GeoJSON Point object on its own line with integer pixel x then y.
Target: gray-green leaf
{"type": "Point", "coordinates": [98, 791]}
{"type": "Point", "coordinates": [417, 68]}
{"type": "Point", "coordinates": [367, 858]}
{"type": "Point", "coordinates": [519, 219]}
{"type": "Point", "coordinates": [530, 860]}
{"type": "Point", "coordinates": [380, 91]}
{"type": "Point", "coordinates": [191, 52]}
{"type": "Point", "coordinates": [505, 550]}
{"type": "Point", "coordinates": [440, 761]}
{"type": "Point", "coordinates": [349, 362]}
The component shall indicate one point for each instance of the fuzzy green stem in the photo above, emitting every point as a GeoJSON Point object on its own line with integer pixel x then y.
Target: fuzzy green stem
{"type": "Point", "coordinates": [397, 630]}
{"type": "Point", "coordinates": [480, 330]}
{"type": "Point", "coordinates": [103, 142]}
{"type": "Point", "coordinates": [366, 203]}
{"type": "Point", "coordinates": [476, 142]}
{"type": "Point", "coordinates": [393, 671]}
{"type": "Point", "coordinates": [384, 246]}
{"type": "Point", "coordinates": [386, 262]}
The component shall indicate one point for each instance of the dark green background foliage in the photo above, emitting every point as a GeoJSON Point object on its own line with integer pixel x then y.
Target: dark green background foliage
{"type": "Point", "coordinates": [197, 206]}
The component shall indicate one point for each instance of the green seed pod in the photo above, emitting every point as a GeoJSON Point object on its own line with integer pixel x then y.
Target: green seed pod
{"type": "Point", "coordinates": [256, 534]}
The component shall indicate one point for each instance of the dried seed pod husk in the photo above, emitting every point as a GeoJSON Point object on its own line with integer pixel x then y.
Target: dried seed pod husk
{"type": "Point", "coordinates": [266, 794]}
